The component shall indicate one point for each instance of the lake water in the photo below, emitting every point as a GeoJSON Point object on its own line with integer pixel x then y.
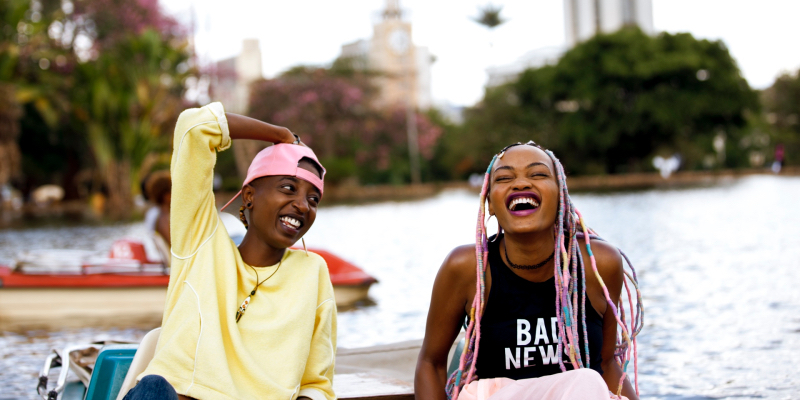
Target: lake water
{"type": "Point", "coordinates": [718, 266]}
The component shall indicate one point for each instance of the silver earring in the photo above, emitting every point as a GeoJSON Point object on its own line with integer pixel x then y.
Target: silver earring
{"type": "Point", "coordinates": [499, 229]}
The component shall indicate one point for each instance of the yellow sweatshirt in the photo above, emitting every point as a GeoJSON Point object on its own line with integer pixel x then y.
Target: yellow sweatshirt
{"type": "Point", "coordinates": [284, 345]}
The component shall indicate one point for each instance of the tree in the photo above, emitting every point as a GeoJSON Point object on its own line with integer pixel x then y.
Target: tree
{"type": "Point", "coordinates": [129, 108]}
{"type": "Point", "coordinates": [782, 113]}
{"type": "Point", "coordinates": [128, 87]}
{"type": "Point", "coordinates": [23, 44]}
{"type": "Point", "coordinates": [332, 110]}
{"type": "Point", "coordinates": [613, 102]}
{"type": "Point", "coordinates": [489, 16]}
{"type": "Point", "coordinates": [105, 73]}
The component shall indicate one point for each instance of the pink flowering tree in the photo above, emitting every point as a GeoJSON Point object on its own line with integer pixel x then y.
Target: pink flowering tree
{"type": "Point", "coordinates": [334, 114]}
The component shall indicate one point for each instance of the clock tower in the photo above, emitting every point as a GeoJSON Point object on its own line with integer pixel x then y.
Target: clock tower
{"type": "Point", "coordinates": [392, 54]}
{"type": "Point", "coordinates": [404, 68]}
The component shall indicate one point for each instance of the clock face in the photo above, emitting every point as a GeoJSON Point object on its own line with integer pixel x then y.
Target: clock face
{"type": "Point", "coordinates": [399, 41]}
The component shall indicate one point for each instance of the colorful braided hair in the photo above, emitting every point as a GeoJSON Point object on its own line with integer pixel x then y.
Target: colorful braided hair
{"type": "Point", "coordinates": [569, 228]}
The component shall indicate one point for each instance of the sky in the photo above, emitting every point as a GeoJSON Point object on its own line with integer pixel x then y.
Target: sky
{"type": "Point", "coordinates": [763, 35]}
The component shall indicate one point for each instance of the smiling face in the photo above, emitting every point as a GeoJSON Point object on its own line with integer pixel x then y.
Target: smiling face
{"type": "Point", "coordinates": [283, 208]}
{"type": "Point", "coordinates": [523, 192]}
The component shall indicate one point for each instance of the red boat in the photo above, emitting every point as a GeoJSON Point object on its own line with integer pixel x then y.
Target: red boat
{"type": "Point", "coordinates": [75, 288]}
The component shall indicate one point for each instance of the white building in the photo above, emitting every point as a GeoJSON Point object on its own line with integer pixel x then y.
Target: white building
{"type": "Point", "coordinates": [231, 86]}
{"type": "Point", "coordinates": [231, 83]}
{"type": "Point", "coordinates": [533, 59]}
{"type": "Point", "coordinates": [585, 18]}
{"type": "Point", "coordinates": [582, 20]}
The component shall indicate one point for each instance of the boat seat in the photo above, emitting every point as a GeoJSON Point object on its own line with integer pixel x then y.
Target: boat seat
{"type": "Point", "coordinates": [456, 358]}
{"type": "Point", "coordinates": [361, 386]}
{"type": "Point", "coordinates": [147, 349]}
{"type": "Point", "coordinates": [110, 370]}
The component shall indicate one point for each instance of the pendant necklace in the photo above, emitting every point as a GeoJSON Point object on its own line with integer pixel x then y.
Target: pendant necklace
{"type": "Point", "coordinates": [246, 302]}
{"type": "Point", "coordinates": [528, 267]}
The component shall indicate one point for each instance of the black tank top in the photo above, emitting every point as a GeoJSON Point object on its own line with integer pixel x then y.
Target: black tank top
{"type": "Point", "coordinates": [519, 335]}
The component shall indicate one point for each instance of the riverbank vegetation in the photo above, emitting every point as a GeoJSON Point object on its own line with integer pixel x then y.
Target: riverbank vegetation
{"type": "Point", "coordinates": [614, 102]}
{"type": "Point", "coordinates": [90, 90]}
{"type": "Point", "coordinates": [95, 85]}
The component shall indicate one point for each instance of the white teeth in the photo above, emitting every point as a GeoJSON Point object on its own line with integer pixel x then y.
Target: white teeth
{"type": "Point", "coordinates": [521, 200]}
{"type": "Point", "coordinates": [291, 221]}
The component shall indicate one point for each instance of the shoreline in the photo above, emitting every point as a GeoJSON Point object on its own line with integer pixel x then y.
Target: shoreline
{"type": "Point", "coordinates": [338, 195]}
{"type": "Point", "coordinates": [80, 212]}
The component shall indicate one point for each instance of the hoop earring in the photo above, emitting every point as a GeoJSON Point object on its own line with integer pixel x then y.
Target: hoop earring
{"type": "Point", "coordinates": [304, 246]}
{"type": "Point", "coordinates": [242, 217]}
{"type": "Point", "coordinates": [499, 229]}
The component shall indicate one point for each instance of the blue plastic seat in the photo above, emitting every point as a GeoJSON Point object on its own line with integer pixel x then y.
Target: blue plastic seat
{"type": "Point", "coordinates": [109, 371]}
{"type": "Point", "coordinates": [456, 358]}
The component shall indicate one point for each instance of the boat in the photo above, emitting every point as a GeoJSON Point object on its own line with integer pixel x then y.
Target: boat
{"type": "Point", "coordinates": [108, 370]}
{"type": "Point", "coordinates": [125, 287]}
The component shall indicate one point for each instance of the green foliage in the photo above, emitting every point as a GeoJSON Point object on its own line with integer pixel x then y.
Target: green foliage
{"type": "Point", "coordinates": [613, 102]}
{"type": "Point", "coordinates": [129, 107]}
{"type": "Point", "coordinates": [23, 44]}
{"type": "Point", "coordinates": [782, 114]}
{"type": "Point", "coordinates": [104, 78]}
{"type": "Point", "coordinates": [490, 16]}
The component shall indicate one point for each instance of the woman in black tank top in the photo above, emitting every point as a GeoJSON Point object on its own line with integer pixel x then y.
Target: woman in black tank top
{"type": "Point", "coordinates": [519, 336]}
{"type": "Point", "coordinates": [543, 299]}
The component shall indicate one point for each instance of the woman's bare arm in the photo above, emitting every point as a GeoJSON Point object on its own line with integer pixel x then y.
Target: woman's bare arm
{"type": "Point", "coordinates": [451, 292]}
{"type": "Point", "coordinates": [609, 265]}
{"type": "Point", "coordinates": [242, 127]}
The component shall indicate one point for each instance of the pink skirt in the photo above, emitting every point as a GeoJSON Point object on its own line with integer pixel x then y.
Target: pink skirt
{"type": "Point", "coordinates": [584, 384]}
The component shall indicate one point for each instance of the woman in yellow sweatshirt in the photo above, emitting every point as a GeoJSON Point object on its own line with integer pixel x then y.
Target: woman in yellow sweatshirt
{"type": "Point", "coordinates": [253, 322]}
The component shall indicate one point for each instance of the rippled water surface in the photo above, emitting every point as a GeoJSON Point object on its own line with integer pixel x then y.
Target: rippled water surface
{"type": "Point", "coordinates": [718, 266]}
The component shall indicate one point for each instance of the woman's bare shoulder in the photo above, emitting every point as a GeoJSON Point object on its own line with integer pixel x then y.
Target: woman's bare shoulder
{"type": "Point", "coordinates": [459, 265]}
{"type": "Point", "coordinates": [608, 258]}
{"type": "Point", "coordinates": [461, 258]}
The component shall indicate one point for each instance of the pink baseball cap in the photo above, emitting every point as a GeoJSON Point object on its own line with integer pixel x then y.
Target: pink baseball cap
{"type": "Point", "coordinates": [282, 159]}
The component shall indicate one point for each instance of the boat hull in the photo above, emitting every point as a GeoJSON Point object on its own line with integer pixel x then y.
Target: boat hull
{"type": "Point", "coordinates": [26, 308]}
{"type": "Point", "coordinates": [133, 299]}
{"type": "Point", "coordinates": [348, 296]}
{"type": "Point", "coordinates": [60, 308]}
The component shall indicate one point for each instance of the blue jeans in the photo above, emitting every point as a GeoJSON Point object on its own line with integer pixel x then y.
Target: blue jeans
{"type": "Point", "coordinates": [152, 387]}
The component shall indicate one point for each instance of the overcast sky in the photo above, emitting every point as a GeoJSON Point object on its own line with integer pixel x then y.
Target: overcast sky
{"type": "Point", "coordinates": [762, 35]}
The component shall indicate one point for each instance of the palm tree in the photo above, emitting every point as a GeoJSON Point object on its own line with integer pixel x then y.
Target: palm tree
{"type": "Point", "coordinates": [128, 107]}
{"type": "Point", "coordinates": [490, 16]}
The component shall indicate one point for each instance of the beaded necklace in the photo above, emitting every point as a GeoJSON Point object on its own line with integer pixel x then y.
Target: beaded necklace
{"type": "Point", "coordinates": [246, 302]}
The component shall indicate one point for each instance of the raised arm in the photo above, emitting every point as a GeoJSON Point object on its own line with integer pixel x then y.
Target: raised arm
{"type": "Point", "coordinates": [242, 127]}
{"type": "Point", "coordinates": [453, 289]}
{"type": "Point", "coordinates": [199, 134]}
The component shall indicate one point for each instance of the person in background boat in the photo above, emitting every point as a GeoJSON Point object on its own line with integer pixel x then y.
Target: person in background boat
{"type": "Point", "coordinates": [159, 188]}
{"type": "Point", "coordinates": [777, 165]}
{"type": "Point", "coordinates": [151, 215]}
{"type": "Point", "coordinates": [253, 322]}
{"type": "Point", "coordinates": [527, 328]}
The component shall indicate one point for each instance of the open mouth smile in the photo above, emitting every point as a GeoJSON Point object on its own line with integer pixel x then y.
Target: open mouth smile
{"type": "Point", "coordinates": [523, 203]}
{"type": "Point", "coordinates": [292, 223]}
